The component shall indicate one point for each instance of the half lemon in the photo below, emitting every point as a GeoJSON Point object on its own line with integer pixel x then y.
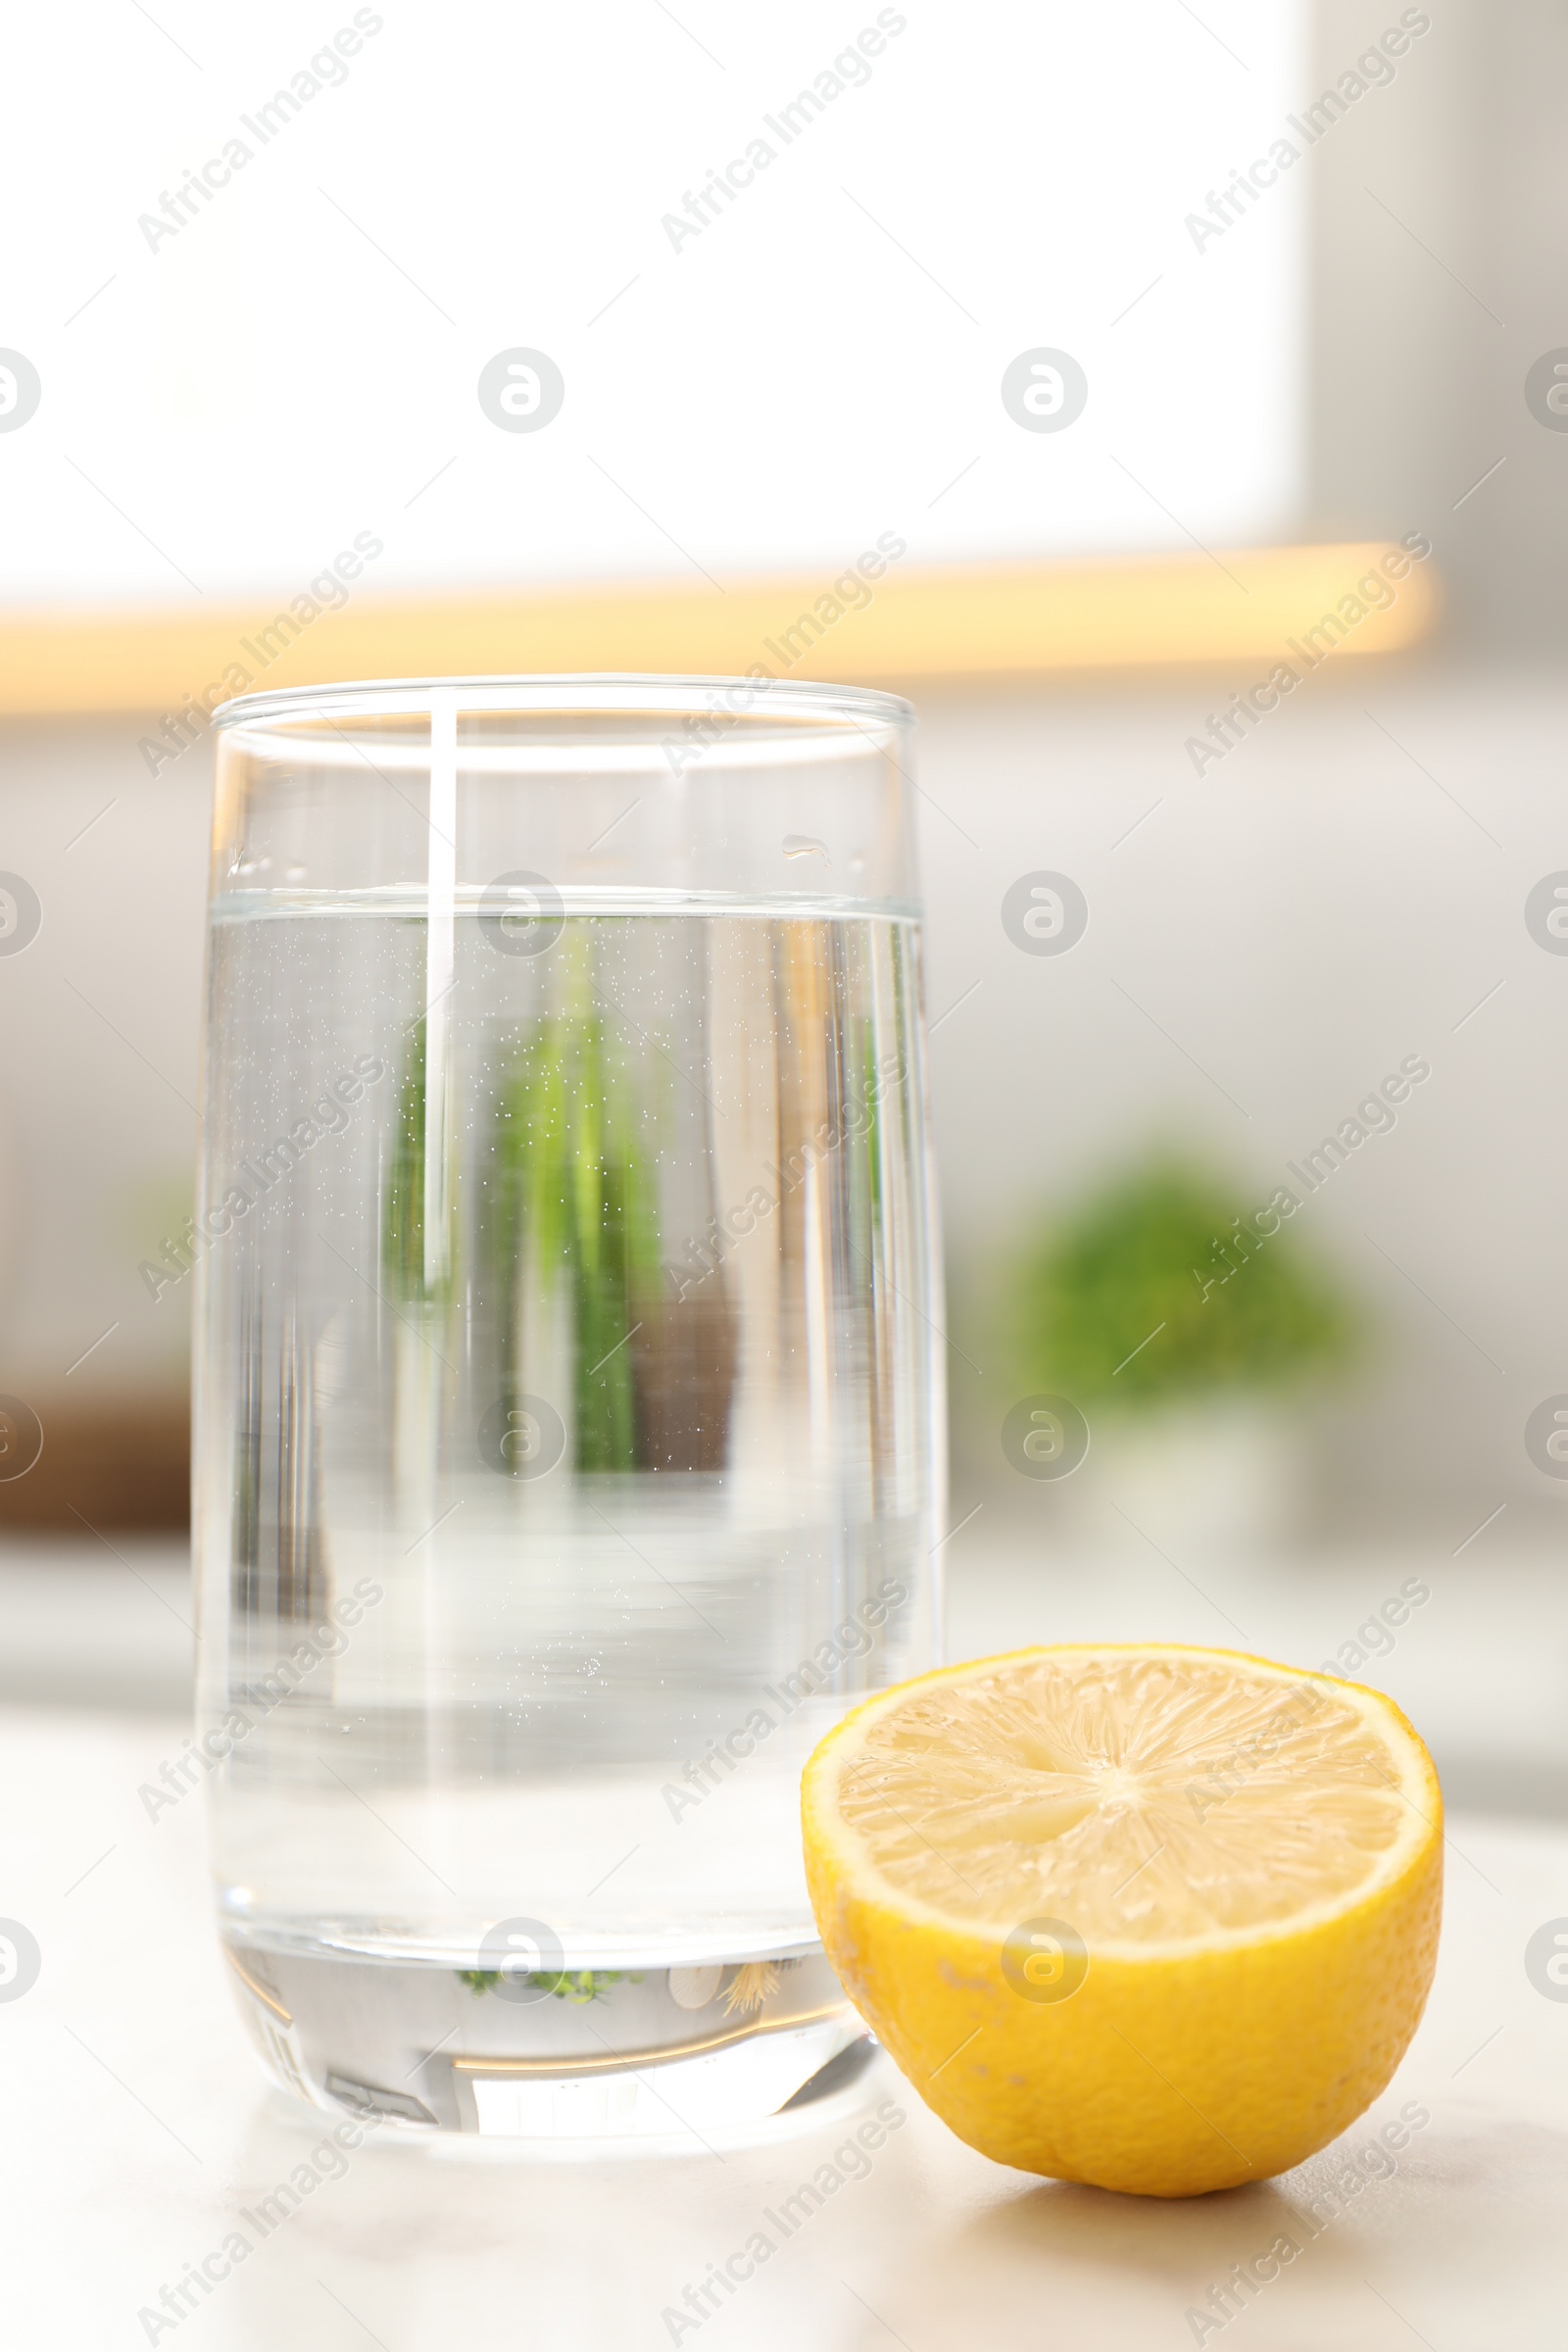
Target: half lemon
{"type": "Point", "coordinates": [1157, 1918]}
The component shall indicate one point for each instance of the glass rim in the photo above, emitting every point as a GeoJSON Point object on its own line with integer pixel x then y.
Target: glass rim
{"type": "Point", "coordinates": [663, 694]}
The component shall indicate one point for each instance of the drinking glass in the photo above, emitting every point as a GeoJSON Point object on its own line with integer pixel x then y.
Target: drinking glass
{"type": "Point", "coordinates": [568, 1406]}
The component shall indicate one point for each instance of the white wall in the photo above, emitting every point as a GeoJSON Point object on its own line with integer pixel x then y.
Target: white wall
{"type": "Point", "coordinates": [97, 1129]}
{"type": "Point", "coordinates": [1317, 908]}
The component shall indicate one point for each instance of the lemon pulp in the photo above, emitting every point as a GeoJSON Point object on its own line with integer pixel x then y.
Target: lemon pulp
{"type": "Point", "coordinates": [1149, 1796]}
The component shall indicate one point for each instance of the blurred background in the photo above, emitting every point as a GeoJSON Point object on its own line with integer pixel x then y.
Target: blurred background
{"type": "Point", "coordinates": [1169, 348]}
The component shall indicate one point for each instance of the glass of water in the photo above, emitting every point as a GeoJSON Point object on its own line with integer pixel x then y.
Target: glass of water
{"type": "Point", "coordinates": [568, 1427]}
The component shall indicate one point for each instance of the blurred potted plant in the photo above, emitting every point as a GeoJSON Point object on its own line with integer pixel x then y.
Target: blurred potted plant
{"type": "Point", "coordinates": [1185, 1330]}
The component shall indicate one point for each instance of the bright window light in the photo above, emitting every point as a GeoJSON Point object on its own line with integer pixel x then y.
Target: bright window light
{"type": "Point", "coordinates": [780, 263]}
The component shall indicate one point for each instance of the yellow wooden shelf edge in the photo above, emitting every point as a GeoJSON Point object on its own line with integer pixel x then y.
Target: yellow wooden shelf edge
{"type": "Point", "coordinates": [1250, 605]}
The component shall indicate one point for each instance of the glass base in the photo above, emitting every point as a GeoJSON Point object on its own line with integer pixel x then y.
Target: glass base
{"type": "Point", "coordinates": [582, 2060]}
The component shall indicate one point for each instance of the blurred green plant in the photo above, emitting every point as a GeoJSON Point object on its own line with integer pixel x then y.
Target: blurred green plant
{"type": "Point", "coordinates": [1158, 1290]}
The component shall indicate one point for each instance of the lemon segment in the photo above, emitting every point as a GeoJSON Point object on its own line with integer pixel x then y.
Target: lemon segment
{"type": "Point", "coordinates": [1156, 1918]}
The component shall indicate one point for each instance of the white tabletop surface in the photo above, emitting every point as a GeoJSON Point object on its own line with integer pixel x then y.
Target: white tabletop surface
{"type": "Point", "coordinates": [138, 2126]}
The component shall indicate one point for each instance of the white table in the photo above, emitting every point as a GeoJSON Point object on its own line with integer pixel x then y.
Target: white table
{"type": "Point", "coordinates": [138, 2126]}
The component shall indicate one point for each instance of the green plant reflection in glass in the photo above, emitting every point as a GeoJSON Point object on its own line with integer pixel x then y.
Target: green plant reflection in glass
{"type": "Point", "coordinates": [576, 1204]}
{"type": "Point", "coordinates": [403, 1225]}
{"type": "Point", "coordinates": [572, 1202]}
